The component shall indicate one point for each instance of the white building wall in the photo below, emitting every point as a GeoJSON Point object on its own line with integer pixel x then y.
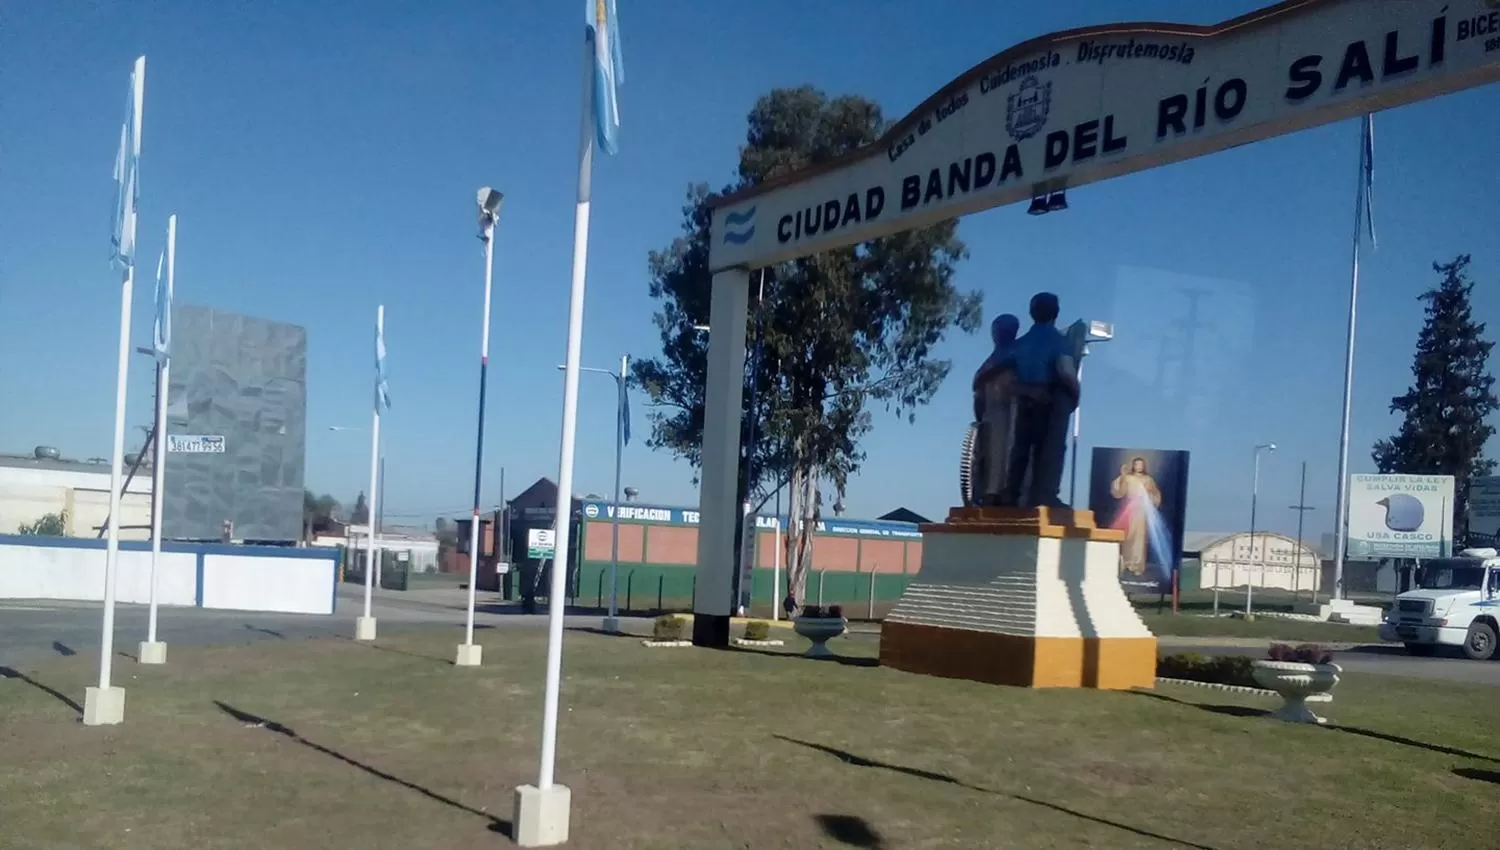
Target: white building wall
{"type": "Point", "coordinates": [28, 494]}
{"type": "Point", "coordinates": [243, 578]}
{"type": "Point", "coordinates": [421, 554]}
{"type": "Point", "coordinates": [1269, 561]}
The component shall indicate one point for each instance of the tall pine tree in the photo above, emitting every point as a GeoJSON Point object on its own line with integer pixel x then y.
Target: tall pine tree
{"type": "Point", "coordinates": [1444, 428]}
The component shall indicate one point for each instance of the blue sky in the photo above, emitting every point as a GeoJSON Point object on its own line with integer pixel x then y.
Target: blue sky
{"type": "Point", "coordinates": [322, 158]}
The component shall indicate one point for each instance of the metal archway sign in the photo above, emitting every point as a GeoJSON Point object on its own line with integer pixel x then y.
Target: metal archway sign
{"type": "Point", "coordinates": [1057, 112]}
{"type": "Point", "coordinates": [1088, 104]}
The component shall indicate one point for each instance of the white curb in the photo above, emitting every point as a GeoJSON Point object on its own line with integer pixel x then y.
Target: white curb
{"type": "Point", "coordinates": [1234, 689]}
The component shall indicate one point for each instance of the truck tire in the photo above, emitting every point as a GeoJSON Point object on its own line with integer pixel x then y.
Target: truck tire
{"type": "Point", "coordinates": [1480, 642]}
{"type": "Point", "coordinates": [1421, 650]}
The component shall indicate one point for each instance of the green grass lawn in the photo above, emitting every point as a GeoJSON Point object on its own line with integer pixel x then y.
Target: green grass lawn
{"type": "Point", "coordinates": [303, 745]}
{"type": "Point", "coordinates": [1270, 628]}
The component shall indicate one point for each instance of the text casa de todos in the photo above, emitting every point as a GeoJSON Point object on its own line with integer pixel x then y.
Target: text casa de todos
{"type": "Point", "coordinates": [1361, 62]}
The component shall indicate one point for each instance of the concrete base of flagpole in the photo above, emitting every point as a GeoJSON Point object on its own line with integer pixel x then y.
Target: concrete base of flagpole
{"type": "Point", "coordinates": [103, 706]}
{"type": "Point", "coordinates": [468, 655]}
{"type": "Point", "coordinates": [540, 817]}
{"type": "Point", "coordinates": [364, 628]}
{"type": "Point", "coordinates": [611, 625]}
{"type": "Point", "coordinates": [152, 652]}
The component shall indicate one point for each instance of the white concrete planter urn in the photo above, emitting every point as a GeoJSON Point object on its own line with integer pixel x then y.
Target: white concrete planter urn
{"type": "Point", "coordinates": [819, 630]}
{"type": "Point", "coordinates": [1298, 683]}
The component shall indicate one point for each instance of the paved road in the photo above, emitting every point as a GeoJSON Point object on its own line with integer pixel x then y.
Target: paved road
{"type": "Point", "coordinates": [1387, 660]}
{"type": "Point", "coordinates": [32, 631]}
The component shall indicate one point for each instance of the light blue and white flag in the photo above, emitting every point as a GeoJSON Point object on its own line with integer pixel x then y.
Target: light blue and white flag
{"type": "Point", "coordinates": [625, 409]}
{"type": "Point", "coordinates": [1367, 174]}
{"type": "Point", "coordinates": [602, 29]}
{"type": "Point", "coordinates": [162, 327]}
{"type": "Point", "coordinates": [382, 388]}
{"type": "Point", "coordinates": [127, 171]}
{"type": "Point", "coordinates": [162, 343]}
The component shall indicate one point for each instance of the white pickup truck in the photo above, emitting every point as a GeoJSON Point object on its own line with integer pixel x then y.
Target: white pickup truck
{"type": "Point", "coordinates": [1456, 602]}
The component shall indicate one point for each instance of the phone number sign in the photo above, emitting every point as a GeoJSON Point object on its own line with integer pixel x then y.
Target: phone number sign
{"type": "Point", "coordinates": [195, 444]}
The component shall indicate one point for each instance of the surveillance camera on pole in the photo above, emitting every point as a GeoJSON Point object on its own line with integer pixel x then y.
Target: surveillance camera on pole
{"type": "Point", "coordinates": [489, 211]}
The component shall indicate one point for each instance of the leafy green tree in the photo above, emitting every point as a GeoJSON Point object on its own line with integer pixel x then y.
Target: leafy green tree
{"type": "Point", "coordinates": [839, 332]}
{"type": "Point", "coordinates": [1445, 413]}
{"type": "Point", "coordinates": [50, 525]}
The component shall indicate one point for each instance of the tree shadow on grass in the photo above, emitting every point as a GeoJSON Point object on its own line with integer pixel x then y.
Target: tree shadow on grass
{"type": "Point", "coordinates": [13, 673]}
{"type": "Point", "coordinates": [850, 830]}
{"type": "Point", "coordinates": [1244, 711]}
{"type": "Point", "coordinates": [496, 824]}
{"type": "Point", "coordinates": [846, 660]}
{"type": "Point", "coordinates": [861, 761]}
{"type": "Point", "coordinates": [391, 649]}
{"type": "Point", "coordinates": [593, 630]}
{"type": "Point", "coordinates": [63, 649]}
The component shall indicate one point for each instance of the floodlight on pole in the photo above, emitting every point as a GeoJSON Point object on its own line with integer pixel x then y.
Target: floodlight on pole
{"type": "Point", "coordinates": [622, 406]}
{"type": "Point", "coordinates": [1097, 332]}
{"type": "Point", "coordinates": [1254, 496]}
{"type": "Point", "coordinates": [489, 201]}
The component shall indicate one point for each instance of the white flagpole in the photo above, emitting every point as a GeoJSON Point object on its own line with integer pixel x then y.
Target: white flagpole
{"type": "Point", "coordinates": [112, 534]}
{"type": "Point", "coordinates": [105, 705]}
{"type": "Point", "coordinates": [364, 628]}
{"type": "Point", "coordinates": [152, 651]}
{"type": "Point", "coordinates": [558, 588]}
{"type": "Point", "coordinates": [1340, 523]}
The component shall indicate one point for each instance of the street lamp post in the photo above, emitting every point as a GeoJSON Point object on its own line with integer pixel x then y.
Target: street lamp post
{"type": "Point", "coordinates": [622, 407]}
{"type": "Point", "coordinates": [1254, 496]}
{"type": "Point", "coordinates": [1098, 332]}
{"type": "Point", "coordinates": [469, 654]}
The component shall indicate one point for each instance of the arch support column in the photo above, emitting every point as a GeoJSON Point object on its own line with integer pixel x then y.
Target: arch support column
{"type": "Point", "coordinates": [718, 485]}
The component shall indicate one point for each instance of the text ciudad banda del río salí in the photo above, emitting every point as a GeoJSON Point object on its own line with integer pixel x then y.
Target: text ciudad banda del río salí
{"type": "Point", "coordinates": [1361, 62]}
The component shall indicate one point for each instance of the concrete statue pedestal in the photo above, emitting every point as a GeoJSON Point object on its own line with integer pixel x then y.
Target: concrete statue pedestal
{"type": "Point", "coordinates": [1346, 611]}
{"type": "Point", "coordinates": [540, 817]}
{"type": "Point", "coordinates": [152, 652]}
{"type": "Point", "coordinates": [468, 655]}
{"type": "Point", "coordinates": [103, 706]}
{"type": "Point", "coordinates": [1027, 597]}
{"type": "Point", "coordinates": [364, 628]}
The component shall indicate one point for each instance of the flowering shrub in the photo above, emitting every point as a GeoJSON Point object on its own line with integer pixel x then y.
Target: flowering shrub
{"type": "Point", "coordinates": [1307, 653]}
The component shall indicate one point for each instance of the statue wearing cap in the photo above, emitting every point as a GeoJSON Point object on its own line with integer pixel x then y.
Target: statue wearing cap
{"type": "Point", "coordinates": [1046, 393]}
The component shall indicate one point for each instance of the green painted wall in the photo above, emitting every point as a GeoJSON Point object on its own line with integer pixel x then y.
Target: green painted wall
{"type": "Point", "coordinates": [640, 584]}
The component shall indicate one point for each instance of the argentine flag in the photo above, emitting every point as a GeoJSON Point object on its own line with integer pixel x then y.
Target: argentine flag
{"type": "Point", "coordinates": [382, 388]}
{"type": "Point", "coordinates": [127, 171]}
{"type": "Point", "coordinates": [162, 327]}
{"type": "Point", "coordinates": [625, 409]}
{"type": "Point", "coordinates": [603, 35]}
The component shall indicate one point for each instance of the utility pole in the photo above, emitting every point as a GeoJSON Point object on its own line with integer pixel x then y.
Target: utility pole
{"type": "Point", "coordinates": [1302, 508]}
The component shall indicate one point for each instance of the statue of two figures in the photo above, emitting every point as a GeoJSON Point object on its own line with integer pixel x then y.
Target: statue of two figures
{"type": "Point", "coordinates": [1024, 397]}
